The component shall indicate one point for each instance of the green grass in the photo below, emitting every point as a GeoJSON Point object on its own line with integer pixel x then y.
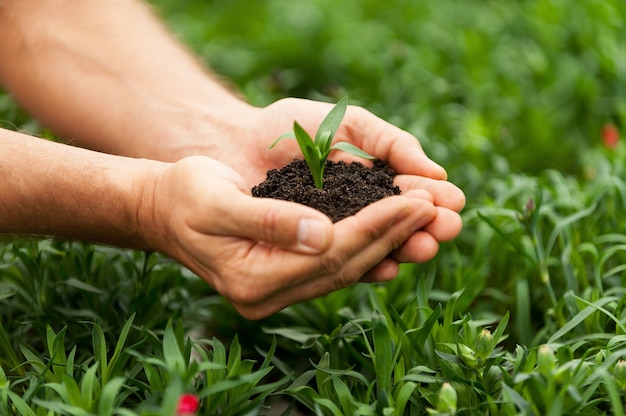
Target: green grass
{"type": "Point", "coordinates": [524, 313]}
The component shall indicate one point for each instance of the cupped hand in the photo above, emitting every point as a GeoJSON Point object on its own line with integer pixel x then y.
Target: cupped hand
{"type": "Point", "coordinates": [247, 152]}
{"type": "Point", "coordinates": [263, 254]}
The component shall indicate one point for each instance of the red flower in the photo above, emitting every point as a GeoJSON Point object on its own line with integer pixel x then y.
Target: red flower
{"type": "Point", "coordinates": [187, 405]}
{"type": "Point", "coordinates": [610, 136]}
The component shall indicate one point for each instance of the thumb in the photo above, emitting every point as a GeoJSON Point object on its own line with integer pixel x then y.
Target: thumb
{"type": "Point", "coordinates": [281, 223]}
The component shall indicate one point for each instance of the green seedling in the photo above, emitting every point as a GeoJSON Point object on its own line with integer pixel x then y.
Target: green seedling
{"type": "Point", "coordinates": [316, 151]}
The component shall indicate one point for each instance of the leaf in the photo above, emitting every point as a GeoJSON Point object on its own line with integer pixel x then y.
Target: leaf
{"type": "Point", "coordinates": [403, 396]}
{"type": "Point", "coordinates": [311, 154]}
{"type": "Point", "coordinates": [87, 384]}
{"type": "Point", "coordinates": [269, 355]}
{"type": "Point", "coordinates": [614, 395]}
{"type": "Point", "coordinates": [80, 285]}
{"type": "Point", "coordinates": [60, 408]}
{"type": "Point", "coordinates": [171, 397]}
{"type": "Point", "coordinates": [426, 329]}
{"type": "Point", "coordinates": [330, 125]}
{"type": "Point", "coordinates": [118, 347]}
{"type": "Point", "coordinates": [514, 243]}
{"type": "Point", "coordinates": [174, 360]}
{"type": "Point", "coordinates": [38, 364]}
{"type": "Point", "coordinates": [322, 376]}
{"type": "Point", "coordinates": [523, 308]}
{"type": "Point", "coordinates": [304, 394]}
{"type": "Point", "coordinates": [100, 350]}
{"type": "Point", "coordinates": [330, 406]}
{"type": "Point", "coordinates": [351, 149]}
{"type": "Point", "coordinates": [22, 407]}
{"type": "Point", "coordinates": [7, 352]}
{"type": "Point", "coordinates": [511, 396]}
{"type": "Point", "coordinates": [383, 356]}
{"type": "Point", "coordinates": [73, 392]}
{"type": "Point", "coordinates": [288, 135]}
{"type": "Point", "coordinates": [231, 384]}
{"type": "Point", "coordinates": [69, 365]}
{"type": "Point", "coordinates": [108, 396]}
{"type": "Point", "coordinates": [234, 358]}
{"type": "Point", "coordinates": [344, 397]}
{"type": "Point", "coordinates": [56, 349]}
{"type": "Point", "coordinates": [499, 332]}
{"type": "Point", "coordinates": [582, 315]}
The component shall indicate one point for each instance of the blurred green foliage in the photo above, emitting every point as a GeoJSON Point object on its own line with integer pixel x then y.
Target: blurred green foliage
{"type": "Point", "coordinates": [529, 82]}
{"type": "Point", "coordinates": [524, 313]}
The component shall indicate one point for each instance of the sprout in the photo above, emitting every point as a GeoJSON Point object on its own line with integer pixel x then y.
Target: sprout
{"type": "Point", "coordinates": [316, 151]}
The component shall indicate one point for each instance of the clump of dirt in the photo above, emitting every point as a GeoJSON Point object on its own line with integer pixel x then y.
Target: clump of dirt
{"type": "Point", "coordinates": [348, 187]}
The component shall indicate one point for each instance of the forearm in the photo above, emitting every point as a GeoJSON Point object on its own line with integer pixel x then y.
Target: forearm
{"type": "Point", "coordinates": [50, 189]}
{"type": "Point", "coordinates": [107, 75]}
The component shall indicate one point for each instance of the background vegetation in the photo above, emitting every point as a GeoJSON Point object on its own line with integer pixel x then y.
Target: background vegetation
{"type": "Point", "coordinates": [525, 313]}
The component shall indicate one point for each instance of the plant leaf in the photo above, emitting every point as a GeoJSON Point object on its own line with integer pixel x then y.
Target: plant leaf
{"type": "Point", "coordinates": [288, 135]}
{"type": "Point", "coordinates": [383, 357]}
{"type": "Point", "coordinates": [110, 391]}
{"type": "Point", "coordinates": [326, 131]}
{"type": "Point", "coordinates": [311, 154]}
{"type": "Point", "coordinates": [20, 404]}
{"type": "Point", "coordinates": [118, 348]}
{"type": "Point", "coordinates": [174, 360]}
{"type": "Point", "coordinates": [352, 149]}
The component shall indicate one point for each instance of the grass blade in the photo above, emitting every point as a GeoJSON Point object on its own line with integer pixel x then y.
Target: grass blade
{"type": "Point", "coordinates": [383, 356]}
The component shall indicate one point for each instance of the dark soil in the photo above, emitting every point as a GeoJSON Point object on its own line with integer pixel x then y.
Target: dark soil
{"type": "Point", "coordinates": [348, 187]}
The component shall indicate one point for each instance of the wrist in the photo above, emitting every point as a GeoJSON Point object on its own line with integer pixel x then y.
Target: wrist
{"type": "Point", "coordinates": [147, 202]}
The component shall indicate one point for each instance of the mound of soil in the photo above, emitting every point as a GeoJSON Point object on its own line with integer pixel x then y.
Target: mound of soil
{"type": "Point", "coordinates": [348, 187]}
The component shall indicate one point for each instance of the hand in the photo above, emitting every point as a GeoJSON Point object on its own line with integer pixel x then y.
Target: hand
{"type": "Point", "coordinates": [246, 151]}
{"type": "Point", "coordinates": [262, 254]}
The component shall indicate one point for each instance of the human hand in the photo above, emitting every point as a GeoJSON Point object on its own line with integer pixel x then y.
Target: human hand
{"type": "Point", "coordinates": [246, 151]}
{"type": "Point", "coordinates": [262, 254]}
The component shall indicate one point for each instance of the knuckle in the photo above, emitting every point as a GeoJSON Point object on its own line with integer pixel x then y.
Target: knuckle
{"type": "Point", "coordinates": [344, 280]}
{"type": "Point", "coordinates": [332, 262]}
{"type": "Point", "coordinates": [267, 225]}
{"type": "Point", "coordinates": [368, 230]}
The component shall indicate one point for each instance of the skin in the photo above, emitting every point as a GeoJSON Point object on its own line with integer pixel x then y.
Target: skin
{"type": "Point", "coordinates": [174, 153]}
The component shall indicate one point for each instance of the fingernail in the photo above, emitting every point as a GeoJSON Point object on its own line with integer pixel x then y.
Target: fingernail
{"type": "Point", "coordinates": [312, 234]}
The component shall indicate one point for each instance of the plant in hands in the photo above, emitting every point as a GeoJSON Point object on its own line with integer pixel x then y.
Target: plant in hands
{"type": "Point", "coordinates": [316, 151]}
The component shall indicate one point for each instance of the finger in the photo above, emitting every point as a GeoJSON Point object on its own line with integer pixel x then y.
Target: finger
{"type": "Point", "coordinates": [445, 194]}
{"type": "Point", "coordinates": [446, 226]}
{"type": "Point", "coordinates": [361, 242]}
{"type": "Point", "coordinates": [388, 142]}
{"type": "Point", "coordinates": [419, 248]}
{"type": "Point", "coordinates": [279, 223]}
{"type": "Point", "coordinates": [424, 244]}
{"type": "Point", "coordinates": [384, 271]}
{"type": "Point", "coordinates": [372, 260]}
